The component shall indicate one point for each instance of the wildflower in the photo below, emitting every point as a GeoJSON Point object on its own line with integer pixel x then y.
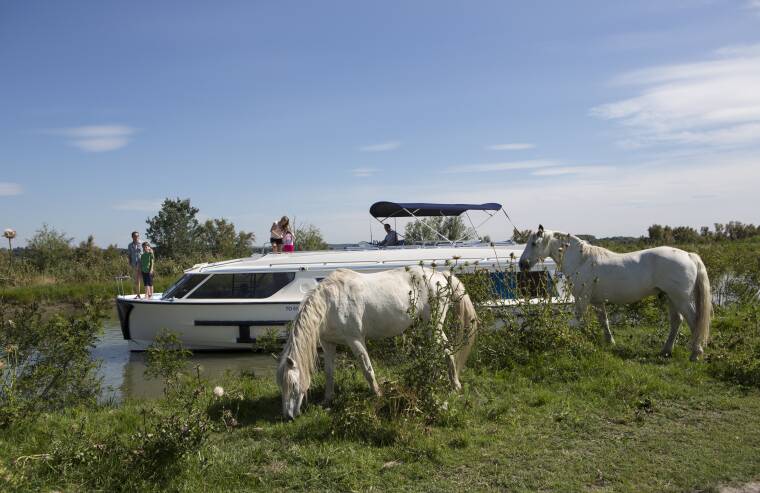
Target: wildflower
{"type": "Point", "coordinates": [218, 391]}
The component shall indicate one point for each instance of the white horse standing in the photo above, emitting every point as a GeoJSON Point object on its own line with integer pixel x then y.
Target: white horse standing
{"type": "Point", "coordinates": [348, 308]}
{"type": "Point", "coordinates": [598, 275]}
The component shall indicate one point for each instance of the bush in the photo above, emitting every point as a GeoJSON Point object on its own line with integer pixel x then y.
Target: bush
{"type": "Point", "coordinates": [734, 353]}
{"type": "Point", "coordinates": [45, 364]}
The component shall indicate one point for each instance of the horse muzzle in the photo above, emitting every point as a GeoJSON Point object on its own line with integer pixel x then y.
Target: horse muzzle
{"type": "Point", "coordinates": [524, 265]}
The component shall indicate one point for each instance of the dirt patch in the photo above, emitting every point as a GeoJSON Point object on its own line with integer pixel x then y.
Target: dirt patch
{"type": "Point", "coordinates": [752, 487]}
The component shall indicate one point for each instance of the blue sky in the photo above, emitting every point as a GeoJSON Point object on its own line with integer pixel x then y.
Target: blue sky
{"type": "Point", "coordinates": [594, 117]}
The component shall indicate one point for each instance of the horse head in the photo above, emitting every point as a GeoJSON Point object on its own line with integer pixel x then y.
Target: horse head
{"type": "Point", "coordinates": [292, 389]}
{"type": "Point", "coordinates": [537, 248]}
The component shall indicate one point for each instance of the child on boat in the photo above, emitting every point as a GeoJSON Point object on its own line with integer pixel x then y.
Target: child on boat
{"type": "Point", "coordinates": [147, 265]}
{"type": "Point", "coordinates": [288, 240]}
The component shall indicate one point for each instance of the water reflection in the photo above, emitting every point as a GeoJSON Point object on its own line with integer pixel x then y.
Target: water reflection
{"type": "Point", "coordinates": [123, 372]}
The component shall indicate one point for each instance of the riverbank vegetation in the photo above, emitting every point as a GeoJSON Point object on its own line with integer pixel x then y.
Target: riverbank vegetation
{"type": "Point", "coordinates": [545, 406]}
{"type": "Point", "coordinates": [52, 268]}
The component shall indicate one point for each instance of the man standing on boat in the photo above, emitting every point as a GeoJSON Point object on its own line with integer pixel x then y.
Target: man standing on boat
{"type": "Point", "coordinates": [391, 237]}
{"type": "Point", "coordinates": [134, 252]}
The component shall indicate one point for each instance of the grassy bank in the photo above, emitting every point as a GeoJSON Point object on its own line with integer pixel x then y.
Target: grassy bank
{"type": "Point", "coordinates": [70, 292]}
{"type": "Point", "coordinates": [545, 407]}
{"type": "Point", "coordinates": [606, 419]}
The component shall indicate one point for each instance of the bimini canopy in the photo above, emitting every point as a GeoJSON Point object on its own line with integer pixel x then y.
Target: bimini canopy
{"type": "Point", "coordinates": [395, 209]}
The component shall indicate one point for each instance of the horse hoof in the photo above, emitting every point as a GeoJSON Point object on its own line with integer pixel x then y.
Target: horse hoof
{"type": "Point", "coordinates": [666, 354]}
{"type": "Point", "coordinates": [695, 356]}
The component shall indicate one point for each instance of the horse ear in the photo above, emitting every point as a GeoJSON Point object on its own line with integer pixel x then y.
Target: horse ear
{"type": "Point", "coordinates": [541, 227]}
{"type": "Point", "coordinates": [291, 363]}
{"type": "Point", "coordinates": [540, 230]}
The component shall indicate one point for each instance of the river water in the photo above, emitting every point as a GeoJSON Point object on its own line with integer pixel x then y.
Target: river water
{"type": "Point", "coordinates": [123, 372]}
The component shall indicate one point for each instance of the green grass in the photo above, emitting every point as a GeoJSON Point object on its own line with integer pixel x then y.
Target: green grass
{"type": "Point", "coordinates": [611, 419]}
{"type": "Point", "coordinates": [71, 292]}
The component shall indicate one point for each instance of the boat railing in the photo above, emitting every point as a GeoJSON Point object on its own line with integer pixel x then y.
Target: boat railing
{"type": "Point", "coordinates": [120, 284]}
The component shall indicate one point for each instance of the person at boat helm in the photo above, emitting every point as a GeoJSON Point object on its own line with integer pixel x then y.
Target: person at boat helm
{"type": "Point", "coordinates": [134, 252]}
{"type": "Point", "coordinates": [391, 237]}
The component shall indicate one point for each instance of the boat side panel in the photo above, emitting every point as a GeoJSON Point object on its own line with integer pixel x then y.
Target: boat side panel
{"type": "Point", "coordinates": [209, 326]}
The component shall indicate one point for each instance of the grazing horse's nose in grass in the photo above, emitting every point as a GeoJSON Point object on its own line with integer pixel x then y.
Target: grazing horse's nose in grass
{"type": "Point", "coordinates": [524, 265]}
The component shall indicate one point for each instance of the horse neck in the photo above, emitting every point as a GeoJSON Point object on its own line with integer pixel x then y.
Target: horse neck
{"type": "Point", "coordinates": [567, 252]}
{"type": "Point", "coordinates": [304, 338]}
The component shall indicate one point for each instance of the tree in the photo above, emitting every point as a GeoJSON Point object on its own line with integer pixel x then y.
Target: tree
{"type": "Point", "coordinates": [685, 234]}
{"type": "Point", "coordinates": [49, 247]}
{"type": "Point", "coordinates": [218, 238]}
{"type": "Point", "coordinates": [424, 230]}
{"type": "Point", "coordinates": [520, 236]}
{"type": "Point", "coordinates": [660, 234]}
{"type": "Point", "coordinates": [174, 230]}
{"type": "Point", "coordinates": [308, 238]}
{"type": "Point", "coordinates": [87, 251]}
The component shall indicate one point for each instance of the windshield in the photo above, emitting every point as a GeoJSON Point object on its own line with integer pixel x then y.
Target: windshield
{"type": "Point", "coordinates": [184, 285]}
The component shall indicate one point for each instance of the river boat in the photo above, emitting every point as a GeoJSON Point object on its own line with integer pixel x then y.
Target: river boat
{"type": "Point", "coordinates": [230, 305]}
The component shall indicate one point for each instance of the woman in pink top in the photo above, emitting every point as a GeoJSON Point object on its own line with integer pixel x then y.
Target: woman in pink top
{"type": "Point", "coordinates": [288, 241]}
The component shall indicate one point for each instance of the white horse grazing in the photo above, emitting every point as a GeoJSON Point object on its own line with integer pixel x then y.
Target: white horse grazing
{"type": "Point", "coordinates": [598, 275]}
{"type": "Point", "coordinates": [348, 308]}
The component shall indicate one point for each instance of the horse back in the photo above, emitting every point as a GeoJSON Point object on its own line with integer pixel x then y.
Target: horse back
{"type": "Point", "coordinates": [628, 277]}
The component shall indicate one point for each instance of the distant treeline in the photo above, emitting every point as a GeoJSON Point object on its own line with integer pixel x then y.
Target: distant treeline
{"type": "Point", "coordinates": [664, 235]}
{"type": "Point", "coordinates": [179, 238]}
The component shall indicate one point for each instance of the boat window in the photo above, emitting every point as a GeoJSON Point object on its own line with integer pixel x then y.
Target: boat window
{"type": "Point", "coordinates": [245, 285]}
{"type": "Point", "coordinates": [533, 284]}
{"type": "Point", "coordinates": [184, 285]}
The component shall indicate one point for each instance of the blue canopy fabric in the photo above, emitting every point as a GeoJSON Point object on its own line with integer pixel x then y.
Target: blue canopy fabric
{"type": "Point", "coordinates": [394, 209]}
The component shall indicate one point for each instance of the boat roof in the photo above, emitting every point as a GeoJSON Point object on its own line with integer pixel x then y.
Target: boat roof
{"type": "Point", "coordinates": [365, 259]}
{"type": "Point", "coordinates": [419, 209]}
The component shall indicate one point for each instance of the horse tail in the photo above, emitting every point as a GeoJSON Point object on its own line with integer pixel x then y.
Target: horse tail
{"type": "Point", "coordinates": [702, 304]}
{"type": "Point", "coordinates": [468, 322]}
{"type": "Point", "coordinates": [468, 327]}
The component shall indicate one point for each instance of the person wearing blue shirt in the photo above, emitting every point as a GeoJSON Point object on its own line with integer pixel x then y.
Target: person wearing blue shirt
{"type": "Point", "coordinates": [134, 252]}
{"type": "Point", "coordinates": [391, 237]}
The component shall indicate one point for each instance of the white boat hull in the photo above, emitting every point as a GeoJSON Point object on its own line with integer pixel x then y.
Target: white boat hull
{"type": "Point", "coordinates": [236, 324]}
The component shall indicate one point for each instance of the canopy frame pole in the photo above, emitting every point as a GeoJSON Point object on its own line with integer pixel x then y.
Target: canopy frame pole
{"type": "Point", "coordinates": [490, 216]}
{"type": "Point", "coordinates": [427, 225]}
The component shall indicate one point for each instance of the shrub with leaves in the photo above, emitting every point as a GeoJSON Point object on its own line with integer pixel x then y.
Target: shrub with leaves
{"type": "Point", "coordinates": [46, 364]}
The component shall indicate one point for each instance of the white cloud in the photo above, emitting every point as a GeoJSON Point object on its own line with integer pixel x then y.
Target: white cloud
{"type": "Point", "coordinates": [714, 102]}
{"type": "Point", "coordinates": [385, 146]}
{"type": "Point", "coordinates": [693, 190]}
{"type": "Point", "coordinates": [141, 205]}
{"type": "Point", "coordinates": [364, 172]}
{"type": "Point", "coordinates": [573, 170]}
{"type": "Point", "coordinates": [8, 189]}
{"type": "Point", "coordinates": [517, 146]}
{"type": "Point", "coordinates": [753, 5]}
{"type": "Point", "coordinates": [509, 166]}
{"type": "Point", "coordinates": [97, 138]}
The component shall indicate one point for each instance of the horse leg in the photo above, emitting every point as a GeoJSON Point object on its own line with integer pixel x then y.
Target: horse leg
{"type": "Point", "coordinates": [690, 315]}
{"type": "Point", "coordinates": [329, 349]}
{"type": "Point", "coordinates": [675, 323]}
{"type": "Point", "coordinates": [360, 351]}
{"type": "Point", "coordinates": [684, 306]}
{"type": "Point", "coordinates": [581, 305]}
{"type": "Point", "coordinates": [450, 361]}
{"type": "Point", "coordinates": [601, 314]}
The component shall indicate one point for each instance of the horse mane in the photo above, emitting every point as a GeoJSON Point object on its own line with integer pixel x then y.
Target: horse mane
{"type": "Point", "coordinates": [593, 252]}
{"type": "Point", "coordinates": [303, 339]}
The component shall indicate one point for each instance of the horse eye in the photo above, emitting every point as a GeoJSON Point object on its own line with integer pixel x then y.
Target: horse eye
{"type": "Point", "coordinates": [534, 243]}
